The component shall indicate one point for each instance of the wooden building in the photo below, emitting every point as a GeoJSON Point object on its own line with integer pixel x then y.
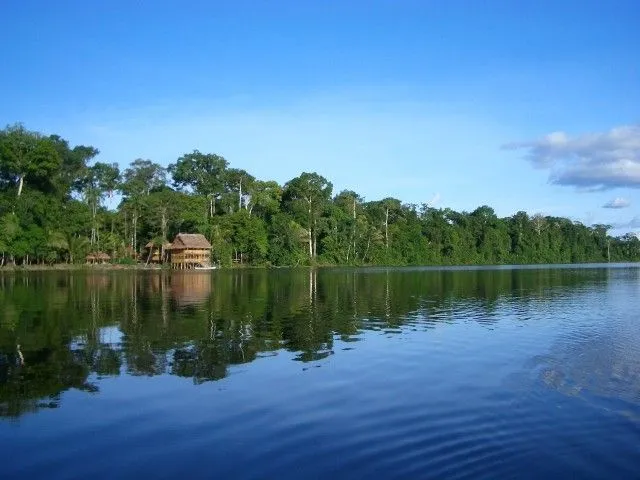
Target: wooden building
{"type": "Point", "coordinates": [155, 253]}
{"type": "Point", "coordinates": [190, 250]}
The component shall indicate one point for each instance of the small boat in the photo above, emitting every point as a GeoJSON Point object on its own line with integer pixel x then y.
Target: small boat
{"type": "Point", "coordinates": [201, 267]}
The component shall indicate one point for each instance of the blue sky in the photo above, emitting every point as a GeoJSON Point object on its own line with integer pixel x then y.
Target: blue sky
{"type": "Point", "coordinates": [457, 103]}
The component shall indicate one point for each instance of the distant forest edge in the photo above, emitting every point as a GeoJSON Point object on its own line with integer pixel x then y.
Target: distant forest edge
{"type": "Point", "coordinates": [52, 210]}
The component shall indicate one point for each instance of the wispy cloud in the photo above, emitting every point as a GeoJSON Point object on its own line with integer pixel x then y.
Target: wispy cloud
{"type": "Point", "coordinates": [618, 202]}
{"type": "Point", "coordinates": [595, 161]}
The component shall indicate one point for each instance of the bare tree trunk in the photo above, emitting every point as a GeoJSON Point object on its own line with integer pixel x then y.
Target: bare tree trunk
{"type": "Point", "coordinates": [94, 221]}
{"type": "Point", "coordinates": [366, 252]}
{"type": "Point", "coordinates": [310, 234]}
{"type": "Point", "coordinates": [164, 233]}
{"type": "Point", "coordinates": [135, 232]}
{"type": "Point", "coordinates": [386, 228]}
{"type": "Point", "coordinates": [240, 195]}
{"type": "Point", "coordinates": [315, 239]}
{"type": "Point", "coordinates": [20, 184]}
{"type": "Point", "coordinates": [355, 255]}
{"type": "Point", "coordinates": [164, 224]}
{"type": "Point", "coordinates": [20, 355]}
{"type": "Point", "coordinates": [126, 226]}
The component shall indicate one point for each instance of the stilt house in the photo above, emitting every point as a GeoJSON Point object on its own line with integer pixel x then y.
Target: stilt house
{"type": "Point", "coordinates": [190, 250]}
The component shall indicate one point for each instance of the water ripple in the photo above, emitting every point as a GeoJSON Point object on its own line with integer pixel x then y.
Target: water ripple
{"type": "Point", "coordinates": [504, 373]}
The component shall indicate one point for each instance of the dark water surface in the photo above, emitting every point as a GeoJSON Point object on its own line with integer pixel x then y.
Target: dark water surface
{"type": "Point", "coordinates": [337, 373]}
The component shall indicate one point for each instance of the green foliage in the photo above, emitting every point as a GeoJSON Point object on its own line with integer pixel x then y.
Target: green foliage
{"type": "Point", "coordinates": [27, 157]}
{"type": "Point", "coordinates": [141, 177]}
{"type": "Point", "coordinates": [53, 196]}
{"type": "Point", "coordinates": [204, 173]}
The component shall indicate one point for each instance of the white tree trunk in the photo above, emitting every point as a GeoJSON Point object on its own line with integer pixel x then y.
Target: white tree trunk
{"type": "Point", "coordinates": [354, 231]}
{"type": "Point", "coordinates": [135, 233]}
{"type": "Point", "coordinates": [20, 184]}
{"type": "Point", "coordinates": [310, 232]}
{"type": "Point", "coordinates": [386, 228]}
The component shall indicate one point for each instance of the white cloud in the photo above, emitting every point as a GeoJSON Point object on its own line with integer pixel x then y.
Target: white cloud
{"type": "Point", "coordinates": [618, 202]}
{"type": "Point", "coordinates": [596, 161]}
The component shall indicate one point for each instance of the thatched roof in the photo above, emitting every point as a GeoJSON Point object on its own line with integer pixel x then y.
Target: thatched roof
{"type": "Point", "coordinates": [98, 256]}
{"type": "Point", "coordinates": [190, 240]}
{"type": "Point", "coordinates": [153, 245]}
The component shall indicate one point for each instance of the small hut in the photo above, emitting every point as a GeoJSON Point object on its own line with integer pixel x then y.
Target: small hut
{"type": "Point", "coordinates": [190, 250]}
{"type": "Point", "coordinates": [155, 253]}
{"type": "Point", "coordinates": [97, 258]}
{"type": "Point", "coordinates": [102, 257]}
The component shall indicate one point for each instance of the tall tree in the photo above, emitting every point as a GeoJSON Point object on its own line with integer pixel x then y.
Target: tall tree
{"type": "Point", "coordinates": [202, 173]}
{"type": "Point", "coordinates": [142, 176]}
{"type": "Point", "coordinates": [137, 182]}
{"type": "Point", "coordinates": [238, 185]}
{"type": "Point", "coordinates": [74, 163]}
{"type": "Point", "coordinates": [27, 156]}
{"type": "Point", "coordinates": [307, 196]}
{"type": "Point", "coordinates": [265, 198]}
{"type": "Point", "coordinates": [350, 203]}
{"type": "Point", "coordinates": [100, 180]}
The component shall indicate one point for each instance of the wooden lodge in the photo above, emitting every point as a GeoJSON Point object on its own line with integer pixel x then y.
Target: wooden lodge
{"type": "Point", "coordinates": [190, 250]}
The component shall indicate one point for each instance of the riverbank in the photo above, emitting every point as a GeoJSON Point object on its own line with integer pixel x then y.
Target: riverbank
{"type": "Point", "coordinates": [77, 267]}
{"type": "Point", "coordinates": [165, 268]}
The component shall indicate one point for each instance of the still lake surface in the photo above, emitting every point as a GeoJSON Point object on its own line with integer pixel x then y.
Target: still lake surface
{"type": "Point", "coordinates": [328, 373]}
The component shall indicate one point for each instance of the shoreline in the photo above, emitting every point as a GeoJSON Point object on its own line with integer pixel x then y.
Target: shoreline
{"type": "Point", "coordinates": [144, 268]}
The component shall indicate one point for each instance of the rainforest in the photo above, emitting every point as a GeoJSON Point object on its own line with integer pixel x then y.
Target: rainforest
{"type": "Point", "coordinates": [58, 205]}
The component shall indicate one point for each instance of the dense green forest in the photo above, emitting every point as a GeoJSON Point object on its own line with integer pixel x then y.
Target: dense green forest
{"type": "Point", "coordinates": [53, 209]}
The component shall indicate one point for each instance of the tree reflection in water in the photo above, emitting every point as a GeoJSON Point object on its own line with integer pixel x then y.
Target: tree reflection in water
{"type": "Point", "coordinates": [67, 330]}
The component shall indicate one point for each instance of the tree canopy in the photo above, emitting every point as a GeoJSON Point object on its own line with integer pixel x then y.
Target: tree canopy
{"type": "Point", "coordinates": [57, 205]}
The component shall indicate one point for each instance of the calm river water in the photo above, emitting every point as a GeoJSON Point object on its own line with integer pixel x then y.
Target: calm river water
{"type": "Point", "coordinates": [328, 373]}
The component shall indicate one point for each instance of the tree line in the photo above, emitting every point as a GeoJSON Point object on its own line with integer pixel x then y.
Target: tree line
{"type": "Point", "coordinates": [53, 209]}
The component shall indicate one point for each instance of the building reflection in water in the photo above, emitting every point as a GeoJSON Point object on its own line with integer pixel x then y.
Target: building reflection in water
{"type": "Point", "coordinates": [190, 288]}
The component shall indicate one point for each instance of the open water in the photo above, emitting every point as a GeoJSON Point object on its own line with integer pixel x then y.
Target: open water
{"type": "Point", "coordinates": [327, 373]}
